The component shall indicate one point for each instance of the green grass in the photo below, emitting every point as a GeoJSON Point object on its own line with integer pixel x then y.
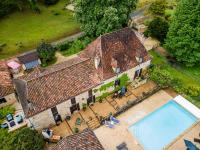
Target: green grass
{"type": "Point", "coordinates": [4, 111]}
{"type": "Point", "coordinates": [186, 75]}
{"type": "Point", "coordinates": [29, 28]}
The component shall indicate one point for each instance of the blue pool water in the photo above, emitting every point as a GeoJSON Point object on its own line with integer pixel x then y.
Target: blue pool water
{"type": "Point", "coordinates": [161, 127]}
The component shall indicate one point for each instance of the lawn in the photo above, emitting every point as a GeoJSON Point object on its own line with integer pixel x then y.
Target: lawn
{"type": "Point", "coordinates": [29, 28]}
{"type": "Point", "coordinates": [188, 76]}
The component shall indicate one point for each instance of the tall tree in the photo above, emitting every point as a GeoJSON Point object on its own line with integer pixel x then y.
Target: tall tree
{"type": "Point", "coordinates": [158, 7]}
{"type": "Point", "coordinates": [183, 38]}
{"type": "Point", "coordinates": [100, 16]}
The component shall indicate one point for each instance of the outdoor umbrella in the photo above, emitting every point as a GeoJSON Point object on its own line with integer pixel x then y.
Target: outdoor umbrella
{"type": "Point", "coordinates": [190, 145]}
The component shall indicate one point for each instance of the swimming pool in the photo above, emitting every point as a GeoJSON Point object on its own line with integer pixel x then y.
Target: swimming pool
{"type": "Point", "coordinates": [162, 126]}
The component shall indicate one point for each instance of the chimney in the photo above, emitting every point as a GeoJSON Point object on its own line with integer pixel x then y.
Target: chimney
{"type": "Point", "coordinates": [30, 106]}
{"type": "Point", "coordinates": [97, 62]}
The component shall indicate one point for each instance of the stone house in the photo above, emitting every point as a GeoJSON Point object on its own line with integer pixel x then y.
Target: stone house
{"type": "Point", "coordinates": [7, 94]}
{"type": "Point", "coordinates": [64, 88]}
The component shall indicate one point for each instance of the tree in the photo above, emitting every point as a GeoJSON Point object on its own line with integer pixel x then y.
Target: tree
{"type": "Point", "coordinates": [46, 52]}
{"type": "Point", "coordinates": [158, 28]}
{"type": "Point", "coordinates": [158, 7]}
{"type": "Point", "coordinates": [50, 2]}
{"type": "Point", "coordinates": [28, 139]}
{"type": "Point", "coordinates": [7, 6]}
{"type": "Point", "coordinates": [100, 16]}
{"type": "Point", "coordinates": [183, 38]}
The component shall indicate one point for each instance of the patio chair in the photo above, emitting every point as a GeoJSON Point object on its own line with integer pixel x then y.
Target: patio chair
{"type": "Point", "coordinates": [122, 146]}
{"type": "Point", "coordinates": [114, 120]}
{"type": "Point", "coordinates": [108, 124]}
{"type": "Point", "coordinates": [196, 140]}
{"type": "Point", "coordinates": [78, 121]}
{"type": "Point", "coordinates": [12, 123]}
{"type": "Point", "coordinates": [9, 117]}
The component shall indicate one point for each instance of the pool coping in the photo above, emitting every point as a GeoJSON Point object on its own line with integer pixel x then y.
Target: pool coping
{"type": "Point", "coordinates": [188, 106]}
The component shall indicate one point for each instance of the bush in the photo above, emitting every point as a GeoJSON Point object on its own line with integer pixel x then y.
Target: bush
{"type": "Point", "coordinates": [84, 106]}
{"type": "Point", "coordinates": [50, 2]}
{"type": "Point", "coordinates": [76, 130]}
{"type": "Point", "coordinates": [192, 91]}
{"type": "Point", "coordinates": [158, 29]}
{"type": "Point", "coordinates": [158, 7]}
{"type": "Point", "coordinates": [28, 139]}
{"type": "Point", "coordinates": [74, 47]}
{"type": "Point", "coordinates": [163, 77]}
{"type": "Point", "coordinates": [46, 52]}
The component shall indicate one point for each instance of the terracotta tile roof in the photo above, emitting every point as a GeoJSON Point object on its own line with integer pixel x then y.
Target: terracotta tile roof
{"type": "Point", "coordinates": [6, 86]}
{"type": "Point", "coordinates": [121, 46]}
{"type": "Point", "coordinates": [45, 88]}
{"type": "Point", "coordinates": [56, 84]}
{"type": "Point", "coordinates": [85, 140]}
{"type": "Point", "coordinates": [28, 57]}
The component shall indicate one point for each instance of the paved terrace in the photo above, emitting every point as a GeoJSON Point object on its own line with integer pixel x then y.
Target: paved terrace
{"type": "Point", "coordinates": [92, 115]}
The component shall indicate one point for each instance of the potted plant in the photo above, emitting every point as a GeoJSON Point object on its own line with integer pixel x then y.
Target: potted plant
{"type": "Point", "coordinates": [100, 100]}
{"type": "Point", "coordinates": [84, 106]}
{"type": "Point", "coordinates": [76, 130]}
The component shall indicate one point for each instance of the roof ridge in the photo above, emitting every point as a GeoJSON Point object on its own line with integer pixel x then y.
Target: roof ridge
{"type": "Point", "coordinates": [51, 72]}
{"type": "Point", "coordinates": [115, 31]}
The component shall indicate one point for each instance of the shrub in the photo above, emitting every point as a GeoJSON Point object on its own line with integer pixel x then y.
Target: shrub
{"type": "Point", "coordinates": [46, 52]}
{"type": "Point", "coordinates": [158, 29]}
{"type": "Point", "coordinates": [158, 7]}
{"type": "Point", "coordinates": [63, 46]}
{"type": "Point", "coordinates": [28, 139]}
{"type": "Point", "coordinates": [162, 77]}
{"type": "Point", "coordinates": [84, 106]}
{"type": "Point", "coordinates": [192, 91]}
{"type": "Point", "coordinates": [76, 130]}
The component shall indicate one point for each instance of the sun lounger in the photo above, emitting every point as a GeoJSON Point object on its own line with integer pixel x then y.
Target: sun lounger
{"type": "Point", "coordinates": [114, 120]}
{"type": "Point", "coordinates": [196, 140]}
{"type": "Point", "coordinates": [108, 124]}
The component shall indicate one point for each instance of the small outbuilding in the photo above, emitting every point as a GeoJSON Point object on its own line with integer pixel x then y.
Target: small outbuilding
{"type": "Point", "coordinates": [29, 60]}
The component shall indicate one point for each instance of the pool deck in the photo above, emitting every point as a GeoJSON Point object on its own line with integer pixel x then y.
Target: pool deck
{"type": "Point", "coordinates": [110, 138]}
{"type": "Point", "coordinates": [189, 134]}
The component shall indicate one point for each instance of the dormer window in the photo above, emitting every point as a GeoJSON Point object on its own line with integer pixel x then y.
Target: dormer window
{"type": "Point", "coordinates": [30, 106]}
{"type": "Point", "coordinates": [97, 62]}
{"type": "Point", "coordinates": [114, 65]}
{"type": "Point", "coordinates": [139, 59]}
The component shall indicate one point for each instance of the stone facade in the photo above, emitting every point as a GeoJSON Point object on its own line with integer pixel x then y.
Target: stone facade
{"type": "Point", "coordinates": [45, 118]}
{"type": "Point", "coordinates": [130, 73]}
{"type": "Point", "coordinates": [10, 99]}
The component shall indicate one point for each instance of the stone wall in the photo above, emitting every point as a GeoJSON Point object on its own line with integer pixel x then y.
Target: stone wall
{"type": "Point", "coordinates": [42, 120]}
{"type": "Point", "coordinates": [10, 99]}
{"type": "Point", "coordinates": [130, 73]}
{"type": "Point", "coordinates": [45, 118]}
